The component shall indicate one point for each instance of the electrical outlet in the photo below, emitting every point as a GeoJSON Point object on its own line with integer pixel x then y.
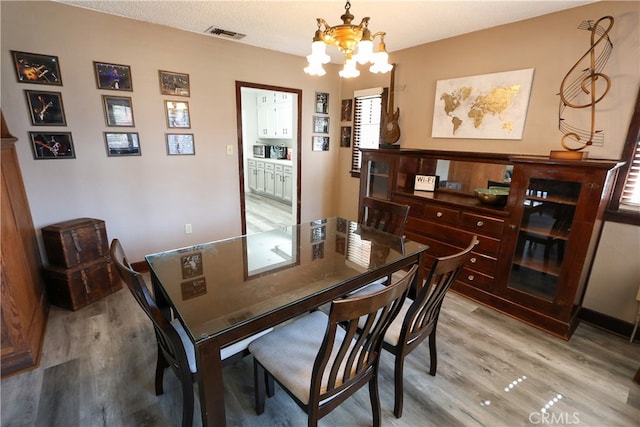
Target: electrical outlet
{"type": "Point", "coordinates": [188, 229]}
{"type": "Point", "coordinates": [229, 150]}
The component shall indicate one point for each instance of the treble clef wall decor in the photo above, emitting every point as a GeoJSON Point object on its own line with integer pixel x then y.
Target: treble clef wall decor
{"type": "Point", "coordinates": [582, 90]}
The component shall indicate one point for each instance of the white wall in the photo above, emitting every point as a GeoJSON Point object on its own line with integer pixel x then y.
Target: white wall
{"type": "Point", "coordinates": [146, 200]}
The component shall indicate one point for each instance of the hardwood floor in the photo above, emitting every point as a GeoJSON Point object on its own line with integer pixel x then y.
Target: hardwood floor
{"type": "Point", "coordinates": [97, 369]}
{"type": "Point", "coordinates": [263, 213]}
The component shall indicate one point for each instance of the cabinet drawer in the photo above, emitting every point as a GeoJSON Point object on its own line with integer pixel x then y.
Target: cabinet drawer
{"type": "Point", "coordinates": [483, 263]}
{"type": "Point", "coordinates": [252, 163]}
{"type": "Point", "coordinates": [279, 168]}
{"type": "Point", "coordinates": [482, 224]}
{"type": "Point", "coordinates": [475, 279]}
{"type": "Point", "coordinates": [440, 214]}
{"type": "Point", "coordinates": [288, 169]}
{"type": "Point", "coordinates": [269, 166]}
{"type": "Point", "coordinates": [453, 236]}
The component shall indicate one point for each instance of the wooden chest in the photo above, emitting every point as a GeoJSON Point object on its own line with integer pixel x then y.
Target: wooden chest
{"type": "Point", "coordinates": [76, 287]}
{"type": "Point", "coordinates": [73, 242]}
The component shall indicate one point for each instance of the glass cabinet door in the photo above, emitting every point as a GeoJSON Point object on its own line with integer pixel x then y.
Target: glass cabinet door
{"type": "Point", "coordinates": [378, 179]}
{"type": "Point", "coordinates": [548, 214]}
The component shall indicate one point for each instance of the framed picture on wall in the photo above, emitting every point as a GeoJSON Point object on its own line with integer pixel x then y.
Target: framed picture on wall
{"type": "Point", "coordinates": [320, 143]}
{"type": "Point", "coordinates": [322, 103]}
{"type": "Point", "coordinates": [177, 114]}
{"type": "Point", "coordinates": [320, 124]}
{"type": "Point", "coordinates": [52, 145]}
{"type": "Point", "coordinates": [174, 83]}
{"type": "Point", "coordinates": [113, 76]}
{"type": "Point", "coordinates": [37, 68]}
{"type": "Point", "coordinates": [345, 136]}
{"type": "Point", "coordinates": [45, 108]}
{"type": "Point", "coordinates": [180, 144]}
{"type": "Point", "coordinates": [346, 110]}
{"type": "Point", "coordinates": [118, 110]}
{"type": "Point", "coordinates": [122, 144]}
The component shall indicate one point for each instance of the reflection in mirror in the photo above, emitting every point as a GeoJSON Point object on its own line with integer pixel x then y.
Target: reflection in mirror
{"type": "Point", "coordinates": [465, 176]}
{"type": "Point", "coordinates": [271, 250]}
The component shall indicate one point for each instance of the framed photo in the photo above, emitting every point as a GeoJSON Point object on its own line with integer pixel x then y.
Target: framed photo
{"type": "Point", "coordinates": [52, 145]}
{"type": "Point", "coordinates": [322, 103]}
{"type": "Point", "coordinates": [113, 76]}
{"type": "Point", "coordinates": [37, 68]}
{"type": "Point", "coordinates": [320, 143]}
{"type": "Point", "coordinates": [118, 110]}
{"type": "Point", "coordinates": [177, 114]}
{"type": "Point", "coordinates": [346, 110]}
{"type": "Point", "coordinates": [174, 83]}
{"type": "Point", "coordinates": [345, 136]}
{"type": "Point", "coordinates": [320, 124]}
{"type": "Point", "coordinates": [45, 108]}
{"type": "Point", "coordinates": [122, 144]}
{"type": "Point", "coordinates": [180, 144]}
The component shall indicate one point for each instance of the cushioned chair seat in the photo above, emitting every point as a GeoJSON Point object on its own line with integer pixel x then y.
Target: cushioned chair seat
{"type": "Point", "coordinates": [225, 353]}
{"type": "Point", "coordinates": [294, 368]}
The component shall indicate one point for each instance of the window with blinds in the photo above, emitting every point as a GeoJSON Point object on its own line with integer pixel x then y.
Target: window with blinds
{"type": "Point", "coordinates": [366, 124]}
{"type": "Point", "coordinates": [627, 190]}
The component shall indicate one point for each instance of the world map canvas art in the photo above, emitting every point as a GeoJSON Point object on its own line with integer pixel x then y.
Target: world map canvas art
{"type": "Point", "coordinates": [488, 106]}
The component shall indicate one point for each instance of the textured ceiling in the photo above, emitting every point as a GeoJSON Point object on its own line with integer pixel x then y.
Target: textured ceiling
{"type": "Point", "coordinates": [288, 26]}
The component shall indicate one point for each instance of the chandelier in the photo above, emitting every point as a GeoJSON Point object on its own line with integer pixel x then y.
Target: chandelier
{"type": "Point", "coordinates": [347, 37]}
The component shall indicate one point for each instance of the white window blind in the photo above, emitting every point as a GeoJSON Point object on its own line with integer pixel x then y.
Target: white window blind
{"type": "Point", "coordinates": [631, 191]}
{"type": "Point", "coordinates": [366, 123]}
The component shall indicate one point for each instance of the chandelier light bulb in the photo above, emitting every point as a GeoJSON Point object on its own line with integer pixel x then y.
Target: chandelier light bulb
{"type": "Point", "coordinates": [315, 69]}
{"type": "Point", "coordinates": [349, 69]}
{"type": "Point", "coordinates": [319, 52]}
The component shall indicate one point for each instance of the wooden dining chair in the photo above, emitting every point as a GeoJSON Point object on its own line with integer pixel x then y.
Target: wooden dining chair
{"type": "Point", "coordinates": [383, 215]}
{"type": "Point", "coordinates": [418, 318]}
{"type": "Point", "coordinates": [175, 348]}
{"type": "Point", "coordinates": [321, 360]}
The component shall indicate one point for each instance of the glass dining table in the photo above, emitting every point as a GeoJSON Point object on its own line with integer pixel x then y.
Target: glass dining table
{"type": "Point", "coordinates": [227, 290]}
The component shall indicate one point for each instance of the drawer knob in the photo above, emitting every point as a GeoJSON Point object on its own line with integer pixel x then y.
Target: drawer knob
{"type": "Point", "coordinates": [470, 278]}
{"type": "Point", "coordinates": [473, 260]}
{"type": "Point", "coordinates": [439, 214]}
{"type": "Point", "coordinates": [479, 223]}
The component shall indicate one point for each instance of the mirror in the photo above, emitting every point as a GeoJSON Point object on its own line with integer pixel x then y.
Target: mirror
{"type": "Point", "coordinates": [466, 176]}
{"type": "Point", "coordinates": [269, 143]}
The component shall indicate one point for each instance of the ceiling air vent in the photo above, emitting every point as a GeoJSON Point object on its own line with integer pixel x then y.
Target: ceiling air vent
{"type": "Point", "coordinates": [224, 33]}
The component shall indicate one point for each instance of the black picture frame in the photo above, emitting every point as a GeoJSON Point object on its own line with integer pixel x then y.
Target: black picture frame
{"type": "Point", "coordinates": [45, 108]}
{"type": "Point", "coordinates": [322, 103]}
{"type": "Point", "coordinates": [320, 143]}
{"type": "Point", "coordinates": [320, 124]}
{"type": "Point", "coordinates": [345, 136]}
{"type": "Point", "coordinates": [174, 84]}
{"type": "Point", "coordinates": [177, 114]}
{"type": "Point", "coordinates": [37, 68]}
{"type": "Point", "coordinates": [113, 76]}
{"type": "Point", "coordinates": [52, 145]}
{"type": "Point", "coordinates": [346, 110]}
{"type": "Point", "coordinates": [118, 111]}
{"type": "Point", "coordinates": [120, 144]}
{"type": "Point", "coordinates": [180, 144]}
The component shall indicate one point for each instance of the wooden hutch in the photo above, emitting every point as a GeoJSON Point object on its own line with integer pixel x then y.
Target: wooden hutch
{"type": "Point", "coordinates": [535, 253]}
{"type": "Point", "coordinates": [24, 302]}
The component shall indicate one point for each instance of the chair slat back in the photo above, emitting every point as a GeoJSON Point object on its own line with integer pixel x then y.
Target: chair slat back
{"type": "Point", "coordinates": [168, 339]}
{"type": "Point", "coordinates": [422, 316]}
{"type": "Point", "coordinates": [383, 215]}
{"type": "Point", "coordinates": [350, 361]}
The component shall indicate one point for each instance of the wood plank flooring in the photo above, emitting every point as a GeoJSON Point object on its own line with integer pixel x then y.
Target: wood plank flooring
{"type": "Point", "coordinates": [97, 369]}
{"type": "Point", "coordinates": [263, 213]}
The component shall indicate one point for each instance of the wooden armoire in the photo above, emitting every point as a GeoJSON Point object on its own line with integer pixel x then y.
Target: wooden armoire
{"type": "Point", "coordinates": [24, 302]}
